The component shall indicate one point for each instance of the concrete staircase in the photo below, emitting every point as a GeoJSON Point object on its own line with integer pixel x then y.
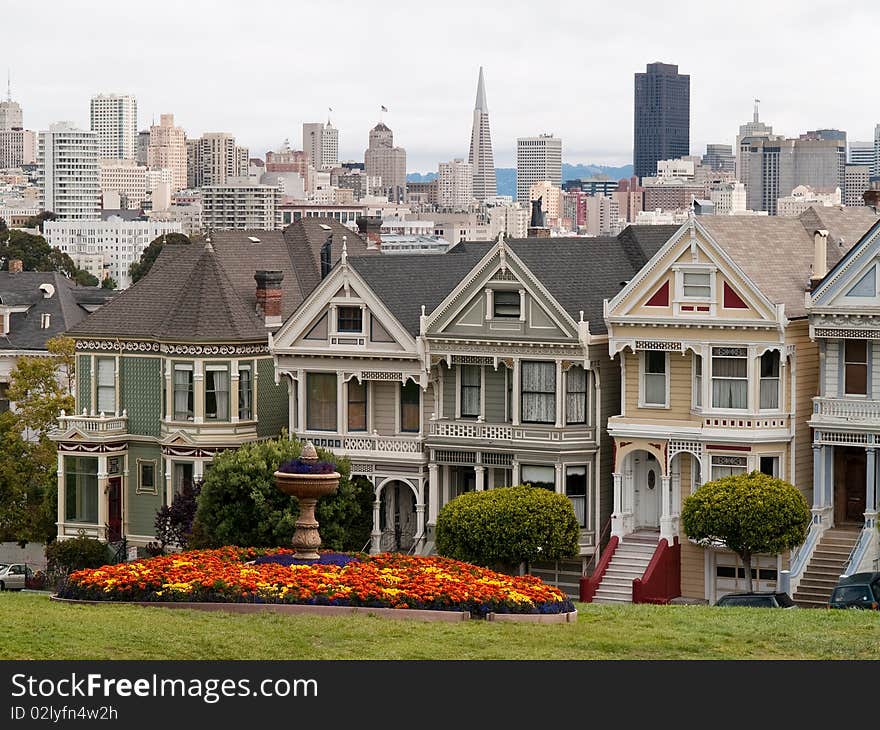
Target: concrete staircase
{"type": "Point", "coordinates": [825, 567]}
{"type": "Point", "coordinates": [629, 561]}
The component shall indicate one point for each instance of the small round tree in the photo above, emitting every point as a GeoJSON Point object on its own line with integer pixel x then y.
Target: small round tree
{"type": "Point", "coordinates": [508, 526]}
{"type": "Point", "coordinates": [749, 513]}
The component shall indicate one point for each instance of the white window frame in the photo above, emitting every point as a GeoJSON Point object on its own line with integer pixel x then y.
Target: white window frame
{"type": "Point", "coordinates": [642, 389]}
{"type": "Point", "coordinates": [141, 489]}
{"type": "Point", "coordinates": [748, 378]}
{"type": "Point", "coordinates": [780, 462]}
{"type": "Point", "coordinates": [866, 363]}
{"type": "Point", "coordinates": [697, 381]}
{"type": "Point", "coordinates": [744, 466]}
{"type": "Point", "coordinates": [778, 379]}
{"type": "Point", "coordinates": [458, 383]}
{"type": "Point", "coordinates": [680, 297]}
{"type": "Point", "coordinates": [398, 408]}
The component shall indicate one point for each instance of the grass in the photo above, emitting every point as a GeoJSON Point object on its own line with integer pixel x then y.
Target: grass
{"type": "Point", "coordinates": [35, 628]}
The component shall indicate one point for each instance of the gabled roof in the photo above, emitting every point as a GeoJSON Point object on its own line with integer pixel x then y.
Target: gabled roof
{"type": "Point", "coordinates": [68, 305]}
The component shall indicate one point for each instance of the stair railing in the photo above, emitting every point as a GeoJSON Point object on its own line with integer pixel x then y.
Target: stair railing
{"type": "Point", "coordinates": [598, 551]}
{"type": "Point", "coordinates": [857, 554]}
{"type": "Point", "coordinates": [799, 559]}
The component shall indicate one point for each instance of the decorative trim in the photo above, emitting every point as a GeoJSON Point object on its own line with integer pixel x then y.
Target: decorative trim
{"type": "Point", "coordinates": [170, 349]}
{"type": "Point", "coordinates": [659, 345]}
{"type": "Point", "coordinates": [80, 447]}
{"type": "Point", "coordinates": [196, 452]}
{"type": "Point", "coordinates": [847, 334]}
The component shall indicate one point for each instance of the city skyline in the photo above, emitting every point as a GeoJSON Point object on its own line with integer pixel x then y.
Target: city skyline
{"type": "Point", "coordinates": [264, 98]}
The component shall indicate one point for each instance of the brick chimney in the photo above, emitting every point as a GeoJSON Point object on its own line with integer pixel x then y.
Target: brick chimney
{"type": "Point", "coordinates": [15, 266]}
{"type": "Point", "coordinates": [269, 296]}
{"type": "Point", "coordinates": [538, 232]}
{"type": "Point", "coordinates": [370, 227]}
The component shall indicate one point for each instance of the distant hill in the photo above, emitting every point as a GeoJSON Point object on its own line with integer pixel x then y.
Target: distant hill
{"type": "Point", "coordinates": [506, 176]}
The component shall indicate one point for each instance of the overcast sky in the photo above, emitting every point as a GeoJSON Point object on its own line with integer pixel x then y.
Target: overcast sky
{"type": "Point", "coordinates": [260, 69]}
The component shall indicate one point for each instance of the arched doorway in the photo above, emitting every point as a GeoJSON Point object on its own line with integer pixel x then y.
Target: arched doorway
{"type": "Point", "coordinates": [645, 471]}
{"type": "Point", "coordinates": [397, 516]}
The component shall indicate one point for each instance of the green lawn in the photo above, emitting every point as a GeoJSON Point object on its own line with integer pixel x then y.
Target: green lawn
{"type": "Point", "coordinates": [35, 628]}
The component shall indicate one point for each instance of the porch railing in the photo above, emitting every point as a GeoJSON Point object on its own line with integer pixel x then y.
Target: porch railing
{"type": "Point", "coordinates": [847, 410]}
{"type": "Point", "coordinates": [391, 445]}
{"type": "Point", "coordinates": [100, 424]}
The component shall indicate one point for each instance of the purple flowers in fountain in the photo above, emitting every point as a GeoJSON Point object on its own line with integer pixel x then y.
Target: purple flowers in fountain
{"type": "Point", "coordinates": [299, 466]}
{"type": "Point", "coordinates": [324, 558]}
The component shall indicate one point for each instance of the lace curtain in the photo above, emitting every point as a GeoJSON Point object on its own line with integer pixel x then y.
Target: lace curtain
{"type": "Point", "coordinates": [538, 392]}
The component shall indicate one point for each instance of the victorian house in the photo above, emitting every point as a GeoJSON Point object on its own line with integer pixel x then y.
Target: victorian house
{"type": "Point", "coordinates": [176, 369]}
{"type": "Point", "coordinates": [845, 323]}
{"type": "Point", "coordinates": [718, 376]}
{"type": "Point", "coordinates": [482, 367]}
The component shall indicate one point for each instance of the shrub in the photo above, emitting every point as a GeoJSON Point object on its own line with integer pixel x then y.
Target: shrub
{"type": "Point", "coordinates": [174, 524]}
{"type": "Point", "coordinates": [508, 526]}
{"type": "Point", "coordinates": [66, 556]}
{"type": "Point", "coordinates": [749, 513]}
{"type": "Point", "coordinates": [239, 503]}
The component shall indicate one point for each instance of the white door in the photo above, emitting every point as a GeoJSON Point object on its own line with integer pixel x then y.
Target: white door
{"type": "Point", "coordinates": [647, 490]}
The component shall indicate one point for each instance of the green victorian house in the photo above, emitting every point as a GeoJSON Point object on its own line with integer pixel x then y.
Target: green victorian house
{"type": "Point", "coordinates": [176, 369]}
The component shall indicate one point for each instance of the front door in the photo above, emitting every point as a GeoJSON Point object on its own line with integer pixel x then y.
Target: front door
{"type": "Point", "coordinates": [114, 510]}
{"type": "Point", "coordinates": [647, 490]}
{"type": "Point", "coordinates": [851, 483]}
{"type": "Point", "coordinates": [397, 517]}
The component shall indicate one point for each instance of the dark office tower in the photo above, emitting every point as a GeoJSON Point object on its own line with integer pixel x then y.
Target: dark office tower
{"type": "Point", "coordinates": [662, 117]}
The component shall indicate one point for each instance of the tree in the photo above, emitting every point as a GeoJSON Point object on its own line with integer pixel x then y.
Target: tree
{"type": "Point", "coordinates": [239, 503]}
{"type": "Point", "coordinates": [505, 527]}
{"type": "Point", "coordinates": [139, 269]}
{"type": "Point", "coordinates": [84, 278]}
{"type": "Point", "coordinates": [38, 220]}
{"type": "Point", "coordinates": [749, 513]}
{"type": "Point", "coordinates": [34, 252]}
{"type": "Point", "coordinates": [109, 283]}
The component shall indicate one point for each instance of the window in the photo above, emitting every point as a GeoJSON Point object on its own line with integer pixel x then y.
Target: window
{"type": "Point", "coordinates": [471, 375]}
{"type": "Point", "coordinates": [725, 466]}
{"type": "Point", "coordinates": [357, 405]}
{"type": "Point", "coordinates": [410, 402]}
{"type": "Point", "coordinates": [245, 393]}
{"type": "Point", "coordinates": [576, 395]}
{"type": "Point", "coordinates": [321, 401]}
{"type": "Point", "coordinates": [183, 476]}
{"type": "Point", "coordinates": [697, 284]}
{"type": "Point", "coordinates": [538, 476]}
{"type": "Point", "coordinates": [217, 393]}
{"type": "Point", "coordinates": [508, 375]}
{"type": "Point", "coordinates": [655, 379]}
{"type": "Point", "coordinates": [349, 319]}
{"type": "Point", "coordinates": [770, 380]}
{"type": "Point", "coordinates": [698, 381]}
{"type": "Point", "coordinates": [769, 465]}
{"type": "Point", "coordinates": [183, 393]}
{"type": "Point", "coordinates": [576, 491]}
{"type": "Point", "coordinates": [538, 392]}
{"type": "Point", "coordinates": [730, 383]}
{"type": "Point", "coordinates": [506, 304]}
{"type": "Point", "coordinates": [106, 384]}
{"type": "Point", "coordinates": [146, 477]}
{"type": "Point", "coordinates": [81, 489]}
{"type": "Point", "coordinates": [856, 367]}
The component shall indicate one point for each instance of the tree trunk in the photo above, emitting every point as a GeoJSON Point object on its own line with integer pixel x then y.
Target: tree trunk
{"type": "Point", "coordinates": [747, 565]}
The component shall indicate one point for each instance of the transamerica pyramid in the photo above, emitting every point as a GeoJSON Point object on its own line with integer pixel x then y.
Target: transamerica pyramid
{"type": "Point", "coordinates": [480, 155]}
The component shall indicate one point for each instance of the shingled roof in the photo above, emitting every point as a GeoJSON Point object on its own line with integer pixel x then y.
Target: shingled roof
{"type": "Point", "coordinates": [66, 304]}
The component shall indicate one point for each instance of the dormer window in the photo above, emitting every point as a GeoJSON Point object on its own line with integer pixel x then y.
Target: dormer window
{"type": "Point", "coordinates": [45, 319]}
{"type": "Point", "coordinates": [349, 319]}
{"type": "Point", "coordinates": [506, 304]}
{"type": "Point", "coordinates": [697, 284]}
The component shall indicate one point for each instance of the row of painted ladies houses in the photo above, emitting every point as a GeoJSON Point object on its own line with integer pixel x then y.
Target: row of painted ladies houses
{"type": "Point", "coordinates": [622, 372]}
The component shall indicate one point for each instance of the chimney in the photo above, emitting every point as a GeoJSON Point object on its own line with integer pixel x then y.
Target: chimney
{"type": "Point", "coordinates": [538, 232]}
{"type": "Point", "coordinates": [872, 198]}
{"type": "Point", "coordinates": [370, 227]}
{"type": "Point", "coordinates": [269, 296]}
{"type": "Point", "coordinates": [15, 266]}
{"type": "Point", "coordinates": [820, 258]}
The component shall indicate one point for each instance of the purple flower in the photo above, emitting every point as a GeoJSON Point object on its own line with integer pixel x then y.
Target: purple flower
{"type": "Point", "coordinates": [298, 466]}
{"type": "Point", "coordinates": [323, 559]}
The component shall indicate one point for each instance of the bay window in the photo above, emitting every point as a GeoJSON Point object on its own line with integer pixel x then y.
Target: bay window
{"type": "Point", "coordinates": [538, 386]}
{"type": "Point", "coordinates": [730, 381]}
{"type": "Point", "coordinates": [655, 379]}
{"type": "Point", "coordinates": [698, 381]}
{"type": "Point", "coordinates": [855, 360]}
{"type": "Point", "coordinates": [183, 392]}
{"type": "Point", "coordinates": [539, 476]}
{"type": "Point", "coordinates": [321, 401]}
{"type": "Point", "coordinates": [725, 466]}
{"type": "Point", "coordinates": [357, 405]}
{"type": "Point", "coordinates": [769, 380]}
{"type": "Point", "coordinates": [81, 489]}
{"type": "Point", "coordinates": [106, 384]}
{"type": "Point", "coordinates": [576, 396]}
{"type": "Point", "coordinates": [245, 392]}
{"type": "Point", "coordinates": [217, 393]}
{"type": "Point", "coordinates": [471, 376]}
{"type": "Point", "coordinates": [576, 491]}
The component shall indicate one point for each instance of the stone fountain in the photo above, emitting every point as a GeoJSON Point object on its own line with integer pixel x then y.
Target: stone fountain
{"type": "Point", "coordinates": [307, 488]}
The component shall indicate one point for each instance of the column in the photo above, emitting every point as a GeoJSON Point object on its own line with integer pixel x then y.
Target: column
{"type": "Point", "coordinates": [522, 305]}
{"type": "Point", "coordinates": [433, 493]}
{"type": "Point", "coordinates": [198, 391]}
{"type": "Point", "coordinates": [169, 485]}
{"type": "Point", "coordinates": [420, 513]}
{"type": "Point", "coordinates": [103, 510]}
{"type": "Point", "coordinates": [828, 458]}
{"type": "Point", "coordinates": [480, 471]}
{"type": "Point", "coordinates": [617, 527]}
{"type": "Point", "coordinates": [301, 402]}
{"type": "Point", "coordinates": [515, 480]}
{"type": "Point", "coordinates": [818, 480]}
{"type": "Point", "coordinates": [667, 521]}
{"type": "Point", "coordinates": [117, 396]}
{"type": "Point", "coordinates": [61, 497]}
{"type": "Point", "coordinates": [515, 394]}
{"type": "Point", "coordinates": [341, 420]}
{"type": "Point", "coordinates": [169, 390]}
{"type": "Point", "coordinates": [376, 534]}
{"type": "Point", "coordinates": [233, 391]}
{"type": "Point", "coordinates": [560, 396]}
{"type": "Point", "coordinates": [559, 480]}
{"type": "Point", "coordinates": [871, 486]}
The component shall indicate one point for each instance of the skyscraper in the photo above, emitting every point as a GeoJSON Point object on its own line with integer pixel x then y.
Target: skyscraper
{"type": "Point", "coordinates": [383, 159]}
{"type": "Point", "coordinates": [455, 185]}
{"type": "Point", "coordinates": [167, 149]}
{"type": "Point", "coordinates": [321, 144]}
{"type": "Point", "coordinates": [537, 159]}
{"type": "Point", "coordinates": [861, 153]}
{"type": "Point", "coordinates": [480, 157]}
{"type": "Point", "coordinates": [114, 120]}
{"type": "Point", "coordinates": [214, 157]}
{"type": "Point", "coordinates": [10, 111]}
{"type": "Point", "coordinates": [67, 170]}
{"type": "Point", "coordinates": [662, 117]}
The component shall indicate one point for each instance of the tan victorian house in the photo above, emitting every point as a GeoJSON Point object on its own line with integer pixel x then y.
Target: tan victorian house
{"type": "Point", "coordinates": [718, 373]}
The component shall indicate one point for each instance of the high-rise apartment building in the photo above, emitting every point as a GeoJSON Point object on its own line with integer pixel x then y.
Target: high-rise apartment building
{"type": "Point", "coordinates": [480, 156]}
{"type": "Point", "coordinates": [662, 117]}
{"type": "Point", "coordinates": [857, 179]}
{"type": "Point", "coordinates": [125, 178]}
{"type": "Point", "coordinates": [213, 158]}
{"type": "Point", "coordinates": [455, 185]}
{"type": "Point", "coordinates": [67, 171]}
{"type": "Point", "coordinates": [143, 147]}
{"type": "Point", "coordinates": [321, 144]}
{"type": "Point", "coordinates": [167, 150]}
{"type": "Point", "coordinates": [382, 159]}
{"type": "Point", "coordinates": [241, 203]}
{"type": "Point", "coordinates": [114, 121]}
{"type": "Point", "coordinates": [861, 153]}
{"type": "Point", "coordinates": [537, 159]}
{"type": "Point", "coordinates": [720, 157]}
{"type": "Point", "coordinates": [775, 166]}
{"type": "Point", "coordinates": [17, 147]}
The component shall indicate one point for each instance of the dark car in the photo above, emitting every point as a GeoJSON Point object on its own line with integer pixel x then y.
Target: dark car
{"type": "Point", "coordinates": [859, 590]}
{"type": "Point", "coordinates": [759, 599]}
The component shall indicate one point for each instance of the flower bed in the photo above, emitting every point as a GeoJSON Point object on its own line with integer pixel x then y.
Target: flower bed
{"type": "Point", "coordinates": [388, 580]}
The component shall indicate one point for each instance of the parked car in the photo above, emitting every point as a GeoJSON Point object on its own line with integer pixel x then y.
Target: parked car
{"type": "Point", "coordinates": [14, 576]}
{"type": "Point", "coordinates": [859, 590]}
{"type": "Point", "coordinates": [757, 599]}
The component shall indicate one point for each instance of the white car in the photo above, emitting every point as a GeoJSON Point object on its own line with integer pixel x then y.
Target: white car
{"type": "Point", "coordinates": [13, 576]}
